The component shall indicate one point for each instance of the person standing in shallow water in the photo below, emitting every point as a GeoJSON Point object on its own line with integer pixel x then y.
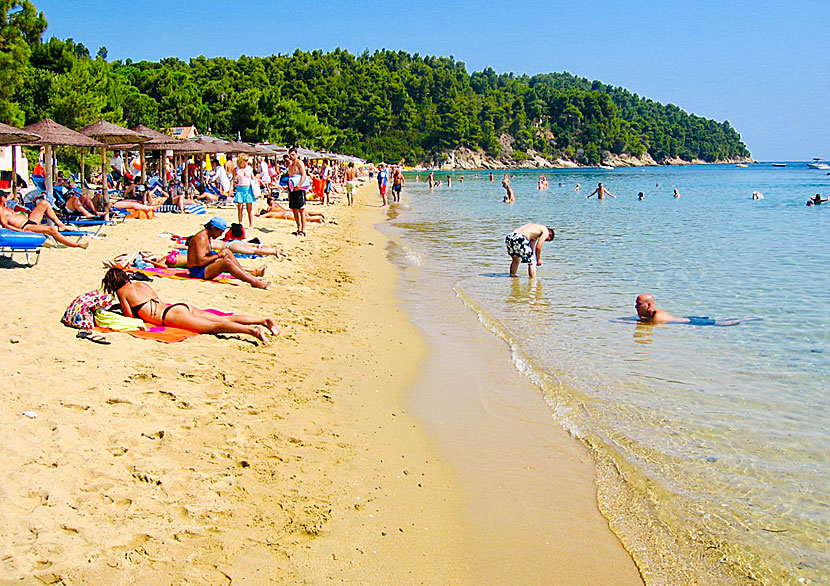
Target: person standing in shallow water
{"type": "Point", "coordinates": [525, 243]}
{"type": "Point", "coordinates": [601, 192]}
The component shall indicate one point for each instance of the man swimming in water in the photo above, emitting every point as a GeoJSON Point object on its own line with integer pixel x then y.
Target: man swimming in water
{"type": "Point", "coordinates": [525, 242]}
{"type": "Point", "coordinates": [601, 192]}
{"type": "Point", "coordinates": [649, 314]}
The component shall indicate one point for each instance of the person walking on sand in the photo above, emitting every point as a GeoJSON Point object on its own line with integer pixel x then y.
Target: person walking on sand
{"type": "Point", "coordinates": [203, 263]}
{"type": "Point", "coordinates": [243, 194]}
{"type": "Point", "coordinates": [525, 243]}
{"type": "Point", "coordinates": [351, 183]}
{"type": "Point", "coordinates": [649, 314]}
{"type": "Point", "coordinates": [297, 177]}
{"type": "Point", "coordinates": [601, 192]}
{"type": "Point", "coordinates": [32, 223]}
{"type": "Point", "coordinates": [383, 180]}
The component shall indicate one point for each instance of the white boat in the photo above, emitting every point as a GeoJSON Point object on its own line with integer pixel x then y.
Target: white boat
{"type": "Point", "coordinates": [606, 167]}
{"type": "Point", "coordinates": [741, 165]}
{"type": "Point", "coordinates": [819, 164]}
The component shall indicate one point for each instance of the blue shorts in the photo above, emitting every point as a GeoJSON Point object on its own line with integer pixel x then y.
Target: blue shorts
{"type": "Point", "coordinates": [196, 272]}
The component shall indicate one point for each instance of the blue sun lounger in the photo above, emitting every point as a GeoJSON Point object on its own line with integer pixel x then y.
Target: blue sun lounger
{"type": "Point", "coordinates": [26, 243]}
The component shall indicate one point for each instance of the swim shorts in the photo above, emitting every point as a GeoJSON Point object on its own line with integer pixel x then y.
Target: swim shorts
{"type": "Point", "coordinates": [296, 199]}
{"type": "Point", "coordinates": [350, 185]}
{"type": "Point", "coordinates": [196, 272]}
{"type": "Point", "coordinates": [382, 189]}
{"type": "Point", "coordinates": [519, 245]}
{"type": "Point", "coordinates": [396, 187]}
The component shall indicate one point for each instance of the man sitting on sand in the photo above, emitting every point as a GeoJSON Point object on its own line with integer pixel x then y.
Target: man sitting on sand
{"type": "Point", "coordinates": [20, 223]}
{"type": "Point", "coordinates": [525, 242]}
{"type": "Point", "coordinates": [203, 263]}
{"type": "Point", "coordinates": [651, 315]}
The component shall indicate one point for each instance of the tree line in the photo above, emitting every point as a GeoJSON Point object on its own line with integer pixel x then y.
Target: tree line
{"type": "Point", "coordinates": [384, 105]}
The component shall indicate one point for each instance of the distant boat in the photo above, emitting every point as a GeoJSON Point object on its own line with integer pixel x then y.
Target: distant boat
{"type": "Point", "coordinates": [818, 164]}
{"type": "Point", "coordinates": [741, 165]}
{"type": "Point", "coordinates": [606, 167]}
{"type": "Point", "coordinates": [779, 164]}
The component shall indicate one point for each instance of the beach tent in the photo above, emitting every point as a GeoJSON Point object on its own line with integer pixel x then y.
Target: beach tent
{"type": "Point", "coordinates": [112, 134]}
{"type": "Point", "coordinates": [53, 134]}
{"type": "Point", "coordinates": [11, 136]}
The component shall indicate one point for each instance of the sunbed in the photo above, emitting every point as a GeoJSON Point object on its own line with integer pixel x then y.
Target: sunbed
{"type": "Point", "coordinates": [26, 243]}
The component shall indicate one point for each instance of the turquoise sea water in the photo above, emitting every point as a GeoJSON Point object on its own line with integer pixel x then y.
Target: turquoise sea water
{"type": "Point", "coordinates": [720, 434]}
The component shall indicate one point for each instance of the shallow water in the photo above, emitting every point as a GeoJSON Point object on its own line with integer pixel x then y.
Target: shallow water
{"type": "Point", "coordinates": [720, 431]}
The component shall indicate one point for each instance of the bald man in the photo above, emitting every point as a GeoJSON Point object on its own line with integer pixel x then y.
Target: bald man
{"type": "Point", "coordinates": [649, 314]}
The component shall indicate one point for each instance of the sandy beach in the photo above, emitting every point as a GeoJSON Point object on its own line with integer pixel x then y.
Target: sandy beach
{"type": "Point", "coordinates": [221, 461]}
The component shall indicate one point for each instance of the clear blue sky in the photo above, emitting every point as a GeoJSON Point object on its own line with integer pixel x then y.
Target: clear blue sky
{"type": "Point", "coordinates": [761, 65]}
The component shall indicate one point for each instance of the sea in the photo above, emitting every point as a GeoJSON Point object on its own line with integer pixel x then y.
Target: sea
{"type": "Point", "coordinates": [712, 440]}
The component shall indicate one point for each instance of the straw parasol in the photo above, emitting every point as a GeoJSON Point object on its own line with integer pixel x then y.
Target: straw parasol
{"type": "Point", "coordinates": [112, 134]}
{"type": "Point", "coordinates": [158, 142]}
{"type": "Point", "coordinates": [9, 135]}
{"type": "Point", "coordinates": [53, 134]}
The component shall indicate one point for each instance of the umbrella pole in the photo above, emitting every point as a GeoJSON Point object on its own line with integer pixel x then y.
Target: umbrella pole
{"type": "Point", "coordinates": [143, 164]}
{"type": "Point", "coordinates": [186, 175]}
{"type": "Point", "coordinates": [14, 172]}
{"type": "Point", "coordinates": [104, 187]}
{"type": "Point", "coordinates": [83, 170]}
{"type": "Point", "coordinates": [48, 171]}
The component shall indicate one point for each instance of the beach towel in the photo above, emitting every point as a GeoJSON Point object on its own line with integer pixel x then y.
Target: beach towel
{"type": "Point", "coordinates": [164, 334]}
{"type": "Point", "coordinates": [226, 278]}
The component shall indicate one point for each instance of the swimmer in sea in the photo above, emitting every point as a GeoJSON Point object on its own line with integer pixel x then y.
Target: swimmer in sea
{"type": "Point", "coordinates": [816, 200]}
{"type": "Point", "coordinates": [640, 196]}
{"type": "Point", "coordinates": [649, 314]}
{"type": "Point", "coordinates": [510, 197]}
{"type": "Point", "coordinates": [578, 187]}
{"type": "Point", "coordinates": [676, 194]}
{"type": "Point", "coordinates": [757, 195]}
{"type": "Point", "coordinates": [601, 192]}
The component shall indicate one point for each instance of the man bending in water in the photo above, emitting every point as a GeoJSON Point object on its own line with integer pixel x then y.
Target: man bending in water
{"type": "Point", "coordinates": [649, 314]}
{"type": "Point", "coordinates": [526, 242]}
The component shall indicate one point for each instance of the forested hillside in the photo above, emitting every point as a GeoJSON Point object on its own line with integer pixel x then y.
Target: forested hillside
{"type": "Point", "coordinates": [384, 105]}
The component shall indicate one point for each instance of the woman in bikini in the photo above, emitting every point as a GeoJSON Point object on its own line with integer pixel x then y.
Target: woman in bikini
{"type": "Point", "coordinates": [141, 301]}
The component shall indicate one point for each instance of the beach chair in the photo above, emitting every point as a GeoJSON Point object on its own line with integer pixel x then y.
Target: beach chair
{"type": "Point", "coordinates": [26, 243]}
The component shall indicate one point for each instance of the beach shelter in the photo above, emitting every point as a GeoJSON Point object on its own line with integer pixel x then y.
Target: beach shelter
{"type": "Point", "coordinates": [9, 135]}
{"type": "Point", "coordinates": [112, 134]}
{"type": "Point", "coordinates": [158, 142]}
{"type": "Point", "coordinates": [53, 134]}
{"type": "Point", "coordinates": [197, 147]}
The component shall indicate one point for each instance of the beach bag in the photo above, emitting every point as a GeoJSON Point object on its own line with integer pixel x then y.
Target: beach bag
{"type": "Point", "coordinates": [235, 232]}
{"type": "Point", "coordinates": [255, 189]}
{"type": "Point", "coordinates": [79, 314]}
{"type": "Point", "coordinates": [117, 321]}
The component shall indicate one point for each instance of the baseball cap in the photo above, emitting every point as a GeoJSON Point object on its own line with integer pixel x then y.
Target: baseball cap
{"type": "Point", "coordinates": [218, 223]}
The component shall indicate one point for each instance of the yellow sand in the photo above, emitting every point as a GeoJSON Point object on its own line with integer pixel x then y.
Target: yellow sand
{"type": "Point", "coordinates": [218, 460]}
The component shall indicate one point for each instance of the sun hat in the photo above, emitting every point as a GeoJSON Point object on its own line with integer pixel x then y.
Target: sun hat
{"type": "Point", "coordinates": [218, 223]}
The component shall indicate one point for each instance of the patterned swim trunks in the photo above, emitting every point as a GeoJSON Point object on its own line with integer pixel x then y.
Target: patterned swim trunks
{"type": "Point", "coordinates": [519, 245]}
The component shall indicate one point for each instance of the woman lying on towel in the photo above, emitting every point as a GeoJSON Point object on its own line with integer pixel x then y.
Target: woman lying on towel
{"type": "Point", "coordinates": [141, 301]}
{"type": "Point", "coordinates": [276, 211]}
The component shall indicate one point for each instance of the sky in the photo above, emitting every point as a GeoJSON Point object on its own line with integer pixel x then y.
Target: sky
{"type": "Point", "coordinates": [761, 65]}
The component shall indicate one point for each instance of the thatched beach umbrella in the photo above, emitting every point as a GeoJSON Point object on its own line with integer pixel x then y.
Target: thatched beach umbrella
{"type": "Point", "coordinates": [158, 142]}
{"type": "Point", "coordinates": [53, 134]}
{"type": "Point", "coordinates": [9, 135]}
{"type": "Point", "coordinates": [112, 134]}
{"type": "Point", "coordinates": [200, 146]}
